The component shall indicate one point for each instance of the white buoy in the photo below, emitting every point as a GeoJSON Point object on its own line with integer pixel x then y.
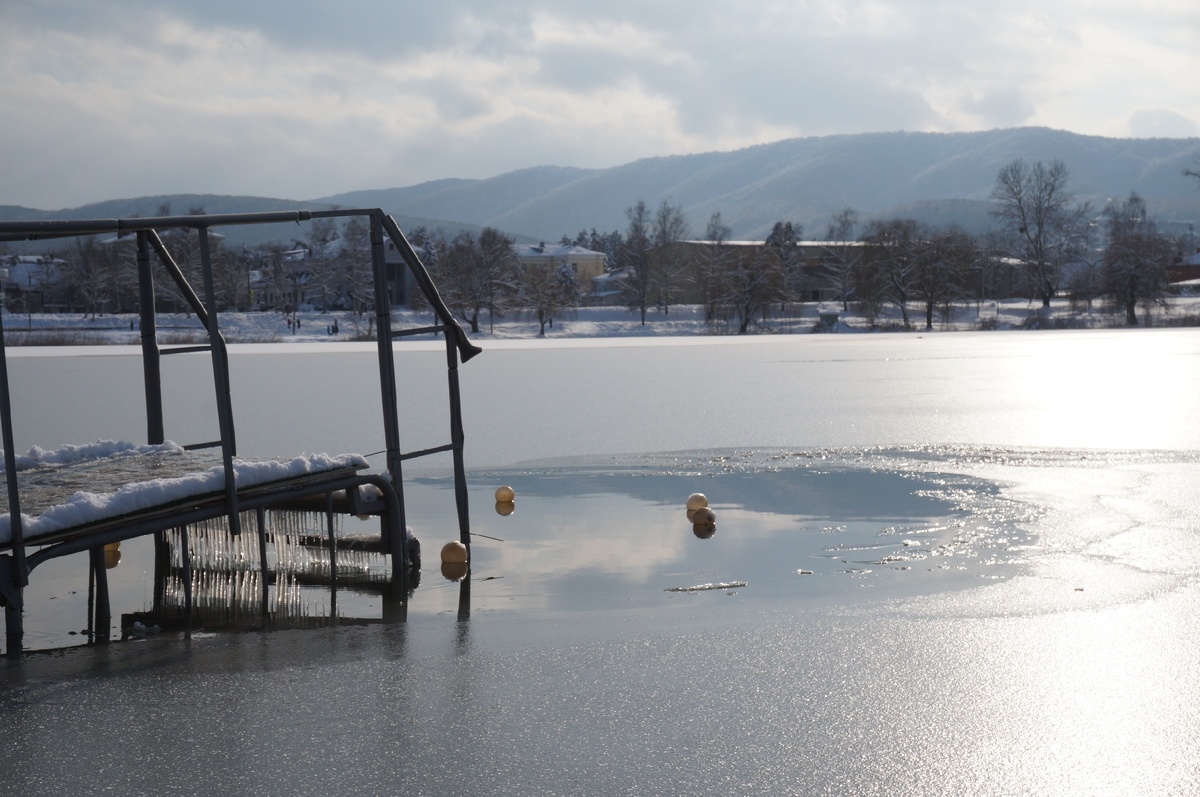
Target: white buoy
{"type": "Point", "coordinates": [505, 495]}
{"type": "Point", "coordinates": [696, 501]}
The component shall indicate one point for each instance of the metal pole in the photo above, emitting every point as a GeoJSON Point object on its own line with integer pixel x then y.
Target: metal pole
{"type": "Point", "coordinates": [387, 375]}
{"type": "Point", "coordinates": [261, 515]}
{"type": "Point", "coordinates": [176, 275]}
{"type": "Point", "coordinates": [220, 366]}
{"type": "Point", "coordinates": [150, 356]}
{"type": "Point", "coordinates": [332, 559]}
{"type": "Point", "coordinates": [103, 612]}
{"type": "Point", "coordinates": [14, 572]}
{"type": "Point", "coordinates": [186, 557]}
{"type": "Point", "coordinates": [456, 442]}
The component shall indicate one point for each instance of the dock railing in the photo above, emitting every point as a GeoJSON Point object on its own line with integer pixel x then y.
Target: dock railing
{"type": "Point", "coordinates": [15, 561]}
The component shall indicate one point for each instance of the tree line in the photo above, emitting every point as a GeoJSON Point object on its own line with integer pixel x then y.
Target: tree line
{"type": "Point", "coordinates": [1044, 244]}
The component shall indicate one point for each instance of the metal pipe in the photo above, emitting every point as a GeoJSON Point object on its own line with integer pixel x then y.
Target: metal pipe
{"type": "Point", "coordinates": [151, 370]}
{"type": "Point", "coordinates": [456, 442]}
{"type": "Point", "coordinates": [466, 349]}
{"type": "Point", "coordinates": [19, 571]}
{"type": "Point", "coordinates": [332, 559]}
{"type": "Point", "coordinates": [220, 367]}
{"type": "Point", "coordinates": [261, 516]}
{"type": "Point", "coordinates": [387, 364]}
{"type": "Point", "coordinates": [176, 275]}
{"type": "Point", "coordinates": [186, 556]}
{"type": "Point", "coordinates": [75, 227]}
{"type": "Point", "coordinates": [103, 608]}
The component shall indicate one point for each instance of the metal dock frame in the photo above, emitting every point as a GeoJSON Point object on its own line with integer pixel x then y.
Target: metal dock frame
{"type": "Point", "coordinates": [16, 562]}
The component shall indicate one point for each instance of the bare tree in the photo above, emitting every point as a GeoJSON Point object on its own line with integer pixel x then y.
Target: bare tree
{"type": "Point", "coordinates": [842, 256]}
{"type": "Point", "coordinates": [325, 264]}
{"type": "Point", "coordinates": [635, 260]}
{"type": "Point", "coordinates": [709, 267]}
{"type": "Point", "coordinates": [1136, 258]}
{"type": "Point", "coordinates": [899, 241]}
{"type": "Point", "coordinates": [91, 271]}
{"type": "Point", "coordinates": [1193, 172]}
{"type": "Point", "coordinates": [667, 263]}
{"type": "Point", "coordinates": [942, 260]}
{"type": "Point", "coordinates": [476, 274]}
{"type": "Point", "coordinates": [547, 288]}
{"type": "Point", "coordinates": [357, 270]}
{"type": "Point", "coordinates": [1035, 209]}
{"type": "Point", "coordinates": [783, 240]}
{"type": "Point", "coordinates": [752, 279]}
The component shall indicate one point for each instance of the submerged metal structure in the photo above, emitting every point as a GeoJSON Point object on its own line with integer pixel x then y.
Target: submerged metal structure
{"type": "Point", "coordinates": [20, 554]}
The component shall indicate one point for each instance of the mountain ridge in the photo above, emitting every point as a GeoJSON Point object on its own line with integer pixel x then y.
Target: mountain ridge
{"type": "Point", "coordinates": [946, 177]}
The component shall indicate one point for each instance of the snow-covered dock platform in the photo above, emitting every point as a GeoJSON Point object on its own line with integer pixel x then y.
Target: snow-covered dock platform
{"type": "Point", "coordinates": [80, 499]}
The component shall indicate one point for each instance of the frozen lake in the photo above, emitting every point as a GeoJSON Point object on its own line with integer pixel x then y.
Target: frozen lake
{"type": "Point", "coordinates": [969, 562]}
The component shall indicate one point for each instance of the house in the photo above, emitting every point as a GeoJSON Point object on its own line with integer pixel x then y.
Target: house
{"type": "Point", "coordinates": [1185, 269]}
{"type": "Point", "coordinates": [586, 264]}
{"type": "Point", "coordinates": [29, 283]}
{"type": "Point", "coordinates": [606, 288]}
{"type": "Point", "coordinates": [815, 263]}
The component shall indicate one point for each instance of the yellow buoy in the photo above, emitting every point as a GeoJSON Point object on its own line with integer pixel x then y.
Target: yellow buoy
{"type": "Point", "coordinates": [696, 501]}
{"type": "Point", "coordinates": [454, 552]}
{"type": "Point", "coordinates": [505, 508]}
{"type": "Point", "coordinates": [704, 517]}
{"type": "Point", "coordinates": [703, 531]}
{"type": "Point", "coordinates": [505, 494]}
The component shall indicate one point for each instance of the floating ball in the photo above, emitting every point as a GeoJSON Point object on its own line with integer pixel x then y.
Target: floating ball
{"type": "Point", "coordinates": [112, 555]}
{"type": "Point", "coordinates": [505, 508]}
{"type": "Point", "coordinates": [696, 501]}
{"type": "Point", "coordinates": [704, 531]}
{"type": "Point", "coordinates": [704, 517]}
{"type": "Point", "coordinates": [505, 494]}
{"type": "Point", "coordinates": [454, 571]}
{"type": "Point", "coordinates": [454, 552]}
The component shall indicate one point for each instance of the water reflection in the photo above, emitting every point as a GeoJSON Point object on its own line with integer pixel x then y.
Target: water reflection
{"type": "Point", "coordinates": [587, 540]}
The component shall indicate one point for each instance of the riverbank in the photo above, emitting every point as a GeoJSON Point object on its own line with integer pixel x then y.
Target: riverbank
{"type": "Point", "coordinates": [73, 329]}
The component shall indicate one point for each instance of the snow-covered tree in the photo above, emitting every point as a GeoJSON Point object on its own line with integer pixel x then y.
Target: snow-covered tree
{"type": "Point", "coordinates": [783, 239]}
{"type": "Point", "coordinates": [546, 289]}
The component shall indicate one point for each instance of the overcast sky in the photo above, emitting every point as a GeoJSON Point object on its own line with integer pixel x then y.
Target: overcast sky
{"type": "Point", "coordinates": [106, 99]}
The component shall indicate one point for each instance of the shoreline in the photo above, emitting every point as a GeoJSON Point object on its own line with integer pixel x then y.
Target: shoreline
{"type": "Point", "coordinates": [268, 327]}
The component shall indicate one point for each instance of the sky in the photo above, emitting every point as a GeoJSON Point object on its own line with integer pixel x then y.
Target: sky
{"type": "Point", "coordinates": [106, 99]}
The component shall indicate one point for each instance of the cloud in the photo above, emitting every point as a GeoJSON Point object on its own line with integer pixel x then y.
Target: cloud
{"type": "Point", "coordinates": [1002, 107]}
{"type": "Point", "coordinates": [302, 99]}
{"type": "Point", "coordinates": [1160, 123]}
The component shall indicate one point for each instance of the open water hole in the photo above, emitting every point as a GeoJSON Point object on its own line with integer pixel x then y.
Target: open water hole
{"type": "Point", "coordinates": [586, 539]}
